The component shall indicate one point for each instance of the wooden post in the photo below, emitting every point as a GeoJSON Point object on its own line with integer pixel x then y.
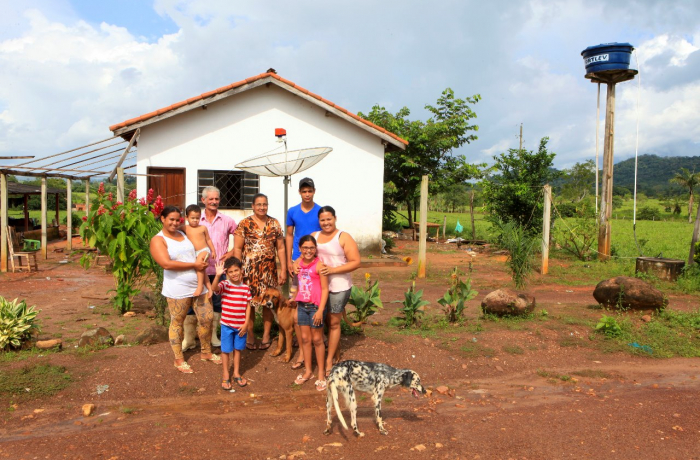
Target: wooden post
{"type": "Point", "coordinates": [606, 190]}
{"type": "Point", "coordinates": [3, 222]}
{"type": "Point", "coordinates": [422, 242]}
{"type": "Point", "coordinates": [120, 185]}
{"type": "Point", "coordinates": [44, 240]}
{"type": "Point", "coordinates": [545, 228]}
{"type": "Point", "coordinates": [696, 236]}
{"type": "Point", "coordinates": [87, 196]}
{"type": "Point", "coordinates": [471, 212]}
{"type": "Point", "coordinates": [58, 218]}
{"type": "Point", "coordinates": [26, 213]}
{"type": "Point", "coordinates": [444, 228]}
{"type": "Point", "coordinates": [69, 216]}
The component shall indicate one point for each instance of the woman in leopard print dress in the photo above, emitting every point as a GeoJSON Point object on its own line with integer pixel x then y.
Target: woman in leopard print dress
{"type": "Point", "coordinates": [258, 242]}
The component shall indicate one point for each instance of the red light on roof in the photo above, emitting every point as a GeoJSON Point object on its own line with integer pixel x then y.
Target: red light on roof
{"type": "Point", "coordinates": [279, 132]}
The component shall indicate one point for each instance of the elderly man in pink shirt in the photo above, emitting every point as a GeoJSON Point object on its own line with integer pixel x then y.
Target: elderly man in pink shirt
{"type": "Point", "coordinates": [220, 226]}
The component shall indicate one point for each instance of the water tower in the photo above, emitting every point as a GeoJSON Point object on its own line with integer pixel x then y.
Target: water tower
{"type": "Point", "coordinates": [608, 63]}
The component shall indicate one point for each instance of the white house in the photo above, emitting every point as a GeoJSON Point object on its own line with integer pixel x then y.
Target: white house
{"type": "Point", "coordinates": [198, 142]}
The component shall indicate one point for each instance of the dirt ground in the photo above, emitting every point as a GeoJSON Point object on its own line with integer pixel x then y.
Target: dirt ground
{"type": "Point", "coordinates": [524, 390]}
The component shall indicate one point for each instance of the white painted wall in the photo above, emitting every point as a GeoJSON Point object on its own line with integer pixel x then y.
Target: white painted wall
{"type": "Point", "coordinates": [242, 126]}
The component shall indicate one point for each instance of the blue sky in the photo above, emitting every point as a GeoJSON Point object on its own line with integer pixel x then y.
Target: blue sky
{"type": "Point", "coordinates": [70, 69]}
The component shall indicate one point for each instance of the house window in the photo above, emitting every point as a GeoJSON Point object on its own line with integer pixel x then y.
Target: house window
{"type": "Point", "coordinates": [237, 187]}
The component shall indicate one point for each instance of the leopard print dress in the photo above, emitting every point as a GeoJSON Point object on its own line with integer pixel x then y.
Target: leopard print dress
{"type": "Point", "coordinates": [259, 253]}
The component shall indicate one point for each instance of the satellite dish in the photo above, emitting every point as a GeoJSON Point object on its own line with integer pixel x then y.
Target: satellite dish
{"type": "Point", "coordinates": [284, 164]}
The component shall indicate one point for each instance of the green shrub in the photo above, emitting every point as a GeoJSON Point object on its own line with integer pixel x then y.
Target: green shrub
{"type": "Point", "coordinates": [608, 326]}
{"type": "Point", "coordinates": [413, 306]}
{"type": "Point", "coordinates": [520, 246]}
{"type": "Point", "coordinates": [17, 323]}
{"type": "Point", "coordinates": [366, 301]}
{"type": "Point", "coordinates": [648, 213]}
{"type": "Point", "coordinates": [453, 302]}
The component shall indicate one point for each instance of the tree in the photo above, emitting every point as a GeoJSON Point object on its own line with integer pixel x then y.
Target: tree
{"type": "Point", "coordinates": [579, 180]}
{"type": "Point", "coordinates": [689, 180]}
{"type": "Point", "coordinates": [429, 150]}
{"type": "Point", "coordinates": [515, 193]}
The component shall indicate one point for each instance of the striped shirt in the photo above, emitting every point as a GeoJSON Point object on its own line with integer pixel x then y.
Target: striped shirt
{"type": "Point", "coordinates": [234, 302]}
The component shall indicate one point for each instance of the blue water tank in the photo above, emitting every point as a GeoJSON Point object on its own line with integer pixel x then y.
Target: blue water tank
{"type": "Point", "coordinates": [608, 56]}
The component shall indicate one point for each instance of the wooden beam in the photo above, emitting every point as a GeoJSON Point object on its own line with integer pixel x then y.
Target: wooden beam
{"type": "Point", "coordinates": [120, 184]}
{"type": "Point", "coordinates": [50, 170]}
{"type": "Point", "coordinates": [87, 196]}
{"type": "Point", "coordinates": [69, 216]}
{"type": "Point", "coordinates": [422, 241]}
{"type": "Point", "coordinates": [132, 141]}
{"type": "Point", "coordinates": [4, 202]}
{"type": "Point", "coordinates": [67, 151]}
{"type": "Point", "coordinates": [44, 240]}
{"type": "Point", "coordinates": [16, 157]}
{"type": "Point", "coordinates": [79, 155]}
{"type": "Point", "coordinates": [31, 174]}
{"type": "Point", "coordinates": [58, 218]}
{"type": "Point", "coordinates": [604, 228]}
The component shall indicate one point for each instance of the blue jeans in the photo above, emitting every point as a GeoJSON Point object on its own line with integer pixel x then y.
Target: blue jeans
{"type": "Point", "coordinates": [305, 315]}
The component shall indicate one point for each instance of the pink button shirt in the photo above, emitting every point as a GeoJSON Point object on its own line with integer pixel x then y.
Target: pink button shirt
{"type": "Point", "coordinates": [219, 231]}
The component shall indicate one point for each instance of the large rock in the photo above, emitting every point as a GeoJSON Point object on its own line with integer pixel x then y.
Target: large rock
{"type": "Point", "coordinates": [95, 337]}
{"type": "Point", "coordinates": [508, 302]}
{"type": "Point", "coordinates": [626, 292]}
{"type": "Point", "coordinates": [154, 334]}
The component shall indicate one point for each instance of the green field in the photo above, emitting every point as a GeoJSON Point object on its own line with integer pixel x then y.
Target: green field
{"type": "Point", "coordinates": [670, 238]}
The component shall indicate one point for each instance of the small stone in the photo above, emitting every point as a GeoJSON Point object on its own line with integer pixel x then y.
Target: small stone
{"type": "Point", "coordinates": [94, 337]}
{"type": "Point", "coordinates": [419, 448]}
{"type": "Point", "coordinates": [442, 389]}
{"type": "Point", "coordinates": [499, 368]}
{"type": "Point", "coordinates": [88, 409]}
{"type": "Point", "coordinates": [464, 366]}
{"type": "Point", "coordinates": [438, 445]}
{"type": "Point", "coordinates": [38, 411]}
{"type": "Point", "coordinates": [153, 335]}
{"type": "Point", "coordinates": [333, 444]}
{"type": "Point", "coordinates": [129, 314]}
{"type": "Point", "coordinates": [646, 318]}
{"type": "Point", "coordinates": [119, 340]}
{"type": "Point", "coordinates": [306, 438]}
{"type": "Point", "coordinates": [49, 344]}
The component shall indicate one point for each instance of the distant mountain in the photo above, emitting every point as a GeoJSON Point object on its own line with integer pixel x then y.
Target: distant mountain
{"type": "Point", "coordinates": [653, 173]}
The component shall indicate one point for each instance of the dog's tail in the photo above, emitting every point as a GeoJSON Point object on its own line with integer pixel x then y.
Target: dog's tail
{"type": "Point", "coordinates": [334, 394]}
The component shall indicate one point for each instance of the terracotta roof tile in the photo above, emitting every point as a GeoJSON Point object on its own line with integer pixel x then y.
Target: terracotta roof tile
{"type": "Point", "coordinates": [240, 83]}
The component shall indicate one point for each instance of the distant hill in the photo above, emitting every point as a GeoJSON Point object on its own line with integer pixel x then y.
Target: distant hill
{"type": "Point", "coordinates": [653, 173]}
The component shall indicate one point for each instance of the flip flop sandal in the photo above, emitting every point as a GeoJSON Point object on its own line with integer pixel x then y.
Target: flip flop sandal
{"type": "Point", "coordinates": [320, 385]}
{"type": "Point", "coordinates": [265, 345]}
{"type": "Point", "coordinates": [225, 383]}
{"type": "Point", "coordinates": [240, 381]}
{"type": "Point", "coordinates": [216, 359]}
{"type": "Point", "coordinates": [300, 380]}
{"type": "Point", "coordinates": [184, 368]}
{"type": "Point", "coordinates": [298, 365]}
{"type": "Point", "coordinates": [251, 346]}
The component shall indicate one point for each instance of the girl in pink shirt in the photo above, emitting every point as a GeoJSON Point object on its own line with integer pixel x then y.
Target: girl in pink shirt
{"type": "Point", "coordinates": [311, 300]}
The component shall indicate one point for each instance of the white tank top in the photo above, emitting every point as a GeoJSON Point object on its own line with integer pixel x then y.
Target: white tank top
{"type": "Point", "coordinates": [332, 254]}
{"type": "Point", "coordinates": [179, 284]}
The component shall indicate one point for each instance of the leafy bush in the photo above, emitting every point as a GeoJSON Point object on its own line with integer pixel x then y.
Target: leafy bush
{"type": "Point", "coordinates": [459, 292]}
{"type": "Point", "coordinates": [413, 306]}
{"type": "Point", "coordinates": [577, 237]}
{"type": "Point", "coordinates": [17, 323]}
{"type": "Point", "coordinates": [567, 209]}
{"type": "Point", "coordinates": [389, 243]}
{"type": "Point", "coordinates": [608, 325]}
{"type": "Point", "coordinates": [366, 301]}
{"type": "Point", "coordinates": [123, 231]}
{"type": "Point", "coordinates": [520, 246]}
{"type": "Point", "coordinates": [648, 213]}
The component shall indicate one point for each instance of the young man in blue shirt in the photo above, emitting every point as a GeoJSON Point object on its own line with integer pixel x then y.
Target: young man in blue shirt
{"type": "Point", "coordinates": [302, 220]}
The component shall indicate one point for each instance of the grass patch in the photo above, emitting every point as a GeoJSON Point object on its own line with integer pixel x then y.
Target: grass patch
{"type": "Point", "coordinates": [127, 410]}
{"type": "Point", "coordinates": [570, 342]}
{"type": "Point", "coordinates": [592, 374]}
{"type": "Point", "coordinates": [512, 323]}
{"type": "Point", "coordinates": [40, 380]}
{"type": "Point", "coordinates": [513, 350]}
{"type": "Point", "coordinates": [475, 350]}
{"type": "Point", "coordinates": [553, 377]}
{"type": "Point", "coordinates": [22, 355]}
{"type": "Point", "coordinates": [668, 334]}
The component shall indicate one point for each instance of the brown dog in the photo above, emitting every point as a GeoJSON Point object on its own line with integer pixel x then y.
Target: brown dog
{"type": "Point", "coordinates": [284, 311]}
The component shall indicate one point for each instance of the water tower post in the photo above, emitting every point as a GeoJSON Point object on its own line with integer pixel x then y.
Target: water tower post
{"type": "Point", "coordinates": [608, 63]}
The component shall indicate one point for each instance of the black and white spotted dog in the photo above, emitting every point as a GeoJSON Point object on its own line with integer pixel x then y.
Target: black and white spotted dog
{"type": "Point", "coordinates": [347, 377]}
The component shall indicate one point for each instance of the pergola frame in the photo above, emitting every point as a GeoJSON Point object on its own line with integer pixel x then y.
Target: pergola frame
{"type": "Point", "coordinates": [73, 164]}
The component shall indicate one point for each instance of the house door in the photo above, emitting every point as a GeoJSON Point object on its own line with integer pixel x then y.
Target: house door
{"type": "Point", "coordinates": [169, 183]}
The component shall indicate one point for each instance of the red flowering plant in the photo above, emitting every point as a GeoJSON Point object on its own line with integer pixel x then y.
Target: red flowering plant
{"type": "Point", "coordinates": [123, 231]}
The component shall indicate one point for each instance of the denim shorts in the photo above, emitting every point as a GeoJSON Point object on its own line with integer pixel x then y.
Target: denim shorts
{"type": "Point", "coordinates": [305, 314]}
{"type": "Point", "coordinates": [337, 301]}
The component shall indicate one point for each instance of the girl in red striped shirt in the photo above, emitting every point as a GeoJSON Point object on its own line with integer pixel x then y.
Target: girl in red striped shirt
{"type": "Point", "coordinates": [235, 313]}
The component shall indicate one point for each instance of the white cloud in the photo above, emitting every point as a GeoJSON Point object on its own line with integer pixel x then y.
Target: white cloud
{"type": "Point", "coordinates": [64, 80]}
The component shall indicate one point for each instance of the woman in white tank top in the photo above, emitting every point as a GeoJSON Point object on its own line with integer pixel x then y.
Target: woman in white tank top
{"type": "Point", "coordinates": [172, 250]}
{"type": "Point", "coordinates": [340, 257]}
